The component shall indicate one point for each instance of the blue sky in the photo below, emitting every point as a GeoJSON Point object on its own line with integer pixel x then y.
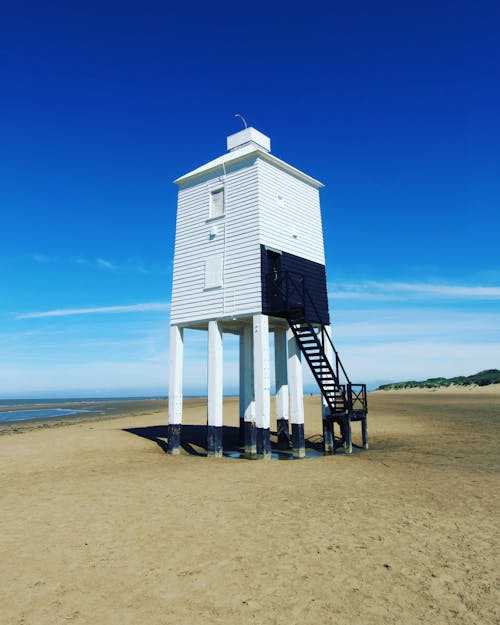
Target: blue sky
{"type": "Point", "coordinates": [394, 106]}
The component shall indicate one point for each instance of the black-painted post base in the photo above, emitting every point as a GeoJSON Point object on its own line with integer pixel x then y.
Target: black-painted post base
{"type": "Point", "coordinates": [241, 433]}
{"type": "Point", "coordinates": [263, 443]}
{"type": "Point", "coordinates": [328, 441]}
{"type": "Point", "coordinates": [214, 441]}
{"type": "Point", "coordinates": [174, 438]}
{"type": "Point", "coordinates": [347, 435]}
{"type": "Point", "coordinates": [364, 432]}
{"type": "Point", "coordinates": [250, 439]}
{"type": "Point", "coordinates": [283, 434]}
{"type": "Point", "coordinates": [298, 440]}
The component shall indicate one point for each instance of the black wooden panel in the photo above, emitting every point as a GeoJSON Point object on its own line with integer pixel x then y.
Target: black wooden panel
{"type": "Point", "coordinates": [314, 277]}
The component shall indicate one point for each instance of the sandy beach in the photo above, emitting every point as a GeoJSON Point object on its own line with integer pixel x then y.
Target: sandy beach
{"type": "Point", "coordinates": [98, 525]}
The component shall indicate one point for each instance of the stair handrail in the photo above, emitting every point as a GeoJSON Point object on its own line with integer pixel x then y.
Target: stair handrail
{"type": "Point", "coordinates": [289, 278]}
{"type": "Point", "coordinates": [338, 362]}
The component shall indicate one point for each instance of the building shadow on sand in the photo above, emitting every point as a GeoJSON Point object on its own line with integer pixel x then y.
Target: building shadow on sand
{"type": "Point", "coordinates": [194, 439]}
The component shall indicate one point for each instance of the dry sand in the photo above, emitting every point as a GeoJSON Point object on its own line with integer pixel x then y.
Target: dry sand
{"type": "Point", "coordinates": [99, 526]}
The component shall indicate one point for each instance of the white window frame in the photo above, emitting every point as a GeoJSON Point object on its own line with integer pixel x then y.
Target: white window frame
{"type": "Point", "coordinates": [214, 272]}
{"type": "Point", "coordinates": [213, 192]}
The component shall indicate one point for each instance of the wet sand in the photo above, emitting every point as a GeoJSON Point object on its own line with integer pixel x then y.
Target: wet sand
{"type": "Point", "coordinates": [99, 525]}
{"type": "Point", "coordinates": [96, 411]}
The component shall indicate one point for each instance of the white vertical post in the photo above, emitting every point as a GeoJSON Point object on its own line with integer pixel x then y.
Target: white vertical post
{"type": "Point", "coordinates": [242, 389]}
{"type": "Point", "coordinates": [262, 384]}
{"type": "Point", "coordinates": [175, 388]}
{"type": "Point", "coordinates": [328, 432]}
{"type": "Point", "coordinates": [215, 395]}
{"type": "Point", "coordinates": [247, 392]}
{"type": "Point", "coordinates": [280, 365]}
{"type": "Point", "coordinates": [296, 390]}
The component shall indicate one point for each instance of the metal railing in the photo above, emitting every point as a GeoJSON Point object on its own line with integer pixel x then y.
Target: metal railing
{"type": "Point", "coordinates": [287, 294]}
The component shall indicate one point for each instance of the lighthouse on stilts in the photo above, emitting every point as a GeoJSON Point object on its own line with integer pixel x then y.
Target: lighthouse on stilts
{"type": "Point", "coordinates": [249, 260]}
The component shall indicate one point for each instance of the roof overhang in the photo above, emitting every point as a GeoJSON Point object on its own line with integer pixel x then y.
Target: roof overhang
{"type": "Point", "coordinates": [245, 153]}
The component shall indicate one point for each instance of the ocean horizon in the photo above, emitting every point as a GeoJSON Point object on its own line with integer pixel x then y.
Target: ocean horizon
{"type": "Point", "coordinates": [20, 409]}
{"type": "Point", "coordinates": [39, 401]}
{"type": "Point", "coordinates": [11, 409]}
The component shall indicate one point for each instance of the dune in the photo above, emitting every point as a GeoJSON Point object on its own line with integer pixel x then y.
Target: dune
{"type": "Point", "coordinates": [472, 389]}
{"type": "Point", "coordinates": [99, 525]}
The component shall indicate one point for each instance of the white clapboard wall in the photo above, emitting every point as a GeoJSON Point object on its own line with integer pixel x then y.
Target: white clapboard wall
{"type": "Point", "coordinates": [217, 271]}
{"type": "Point", "coordinates": [289, 213]}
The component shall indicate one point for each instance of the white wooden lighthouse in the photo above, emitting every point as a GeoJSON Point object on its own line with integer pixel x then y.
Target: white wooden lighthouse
{"type": "Point", "coordinates": [249, 260]}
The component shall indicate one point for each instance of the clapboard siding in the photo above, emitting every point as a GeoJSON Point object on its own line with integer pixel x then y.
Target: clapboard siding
{"type": "Point", "coordinates": [295, 227]}
{"type": "Point", "coordinates": [253, 217]}
{"type": "Point", "coordinates": [236, 240]}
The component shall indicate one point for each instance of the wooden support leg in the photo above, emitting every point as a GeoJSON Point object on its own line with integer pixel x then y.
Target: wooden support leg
{"type": "Point", "coordinates": [175, 390]}
{"type": "Point", "coordinates": [364, 433]}
{"type": "Point", "coordinates": [296, 397]}
{"type": "Point", "coordinates": [280, 365]}
{"type": "Point", "coordinates": [348, 435]}
{"type": "Point", "coordinates": [262, 385]}
{"type": "Point", "coordinates": [242, 391]}
{"type": "Point", "coordinates": [215, 396]}
{"type": "Point", "coordinates": [264, 443]}
{"type": "Point", "coordinates": [250, 439]}
{"type": "Point", "coordinates": [343, 430]}
{"type": "Point", "coordinates": [328, 442]}
{"type": "Point", "coordinates": [298, 440]}
{"type": "Point", "coordinates": [249, 432]}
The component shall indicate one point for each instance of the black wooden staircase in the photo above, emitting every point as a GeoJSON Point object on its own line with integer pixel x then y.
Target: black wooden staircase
{"type": "Point", "coordinates": [345, 401]}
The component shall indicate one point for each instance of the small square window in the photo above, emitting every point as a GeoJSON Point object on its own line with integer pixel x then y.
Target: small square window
{"type": "Point", "coordinates": [216, 203]}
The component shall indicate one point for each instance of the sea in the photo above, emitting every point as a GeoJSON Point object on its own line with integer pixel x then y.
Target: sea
{"type": "Point", "coordinates": [54, 407]}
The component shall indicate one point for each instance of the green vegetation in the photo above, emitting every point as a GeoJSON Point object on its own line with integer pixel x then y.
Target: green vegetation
{"type": "Point", "coordinates": [483, 378]}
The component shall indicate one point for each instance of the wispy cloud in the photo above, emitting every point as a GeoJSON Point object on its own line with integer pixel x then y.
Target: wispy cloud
{"type": "Point", "coordinates": [397, 290]}
{"type": "Point", "coordinates": [441, 325]}
{"type": "Point", "coordinates": [40, 258]}
{"type": "Point", "coordinates": [98, 263]}
{"type": "Point", "coordinates": [105, 264]}
{"type": "Point", "coordinates": [132, 308]}
{"type": "Point", "coordinates": [132, 264]}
